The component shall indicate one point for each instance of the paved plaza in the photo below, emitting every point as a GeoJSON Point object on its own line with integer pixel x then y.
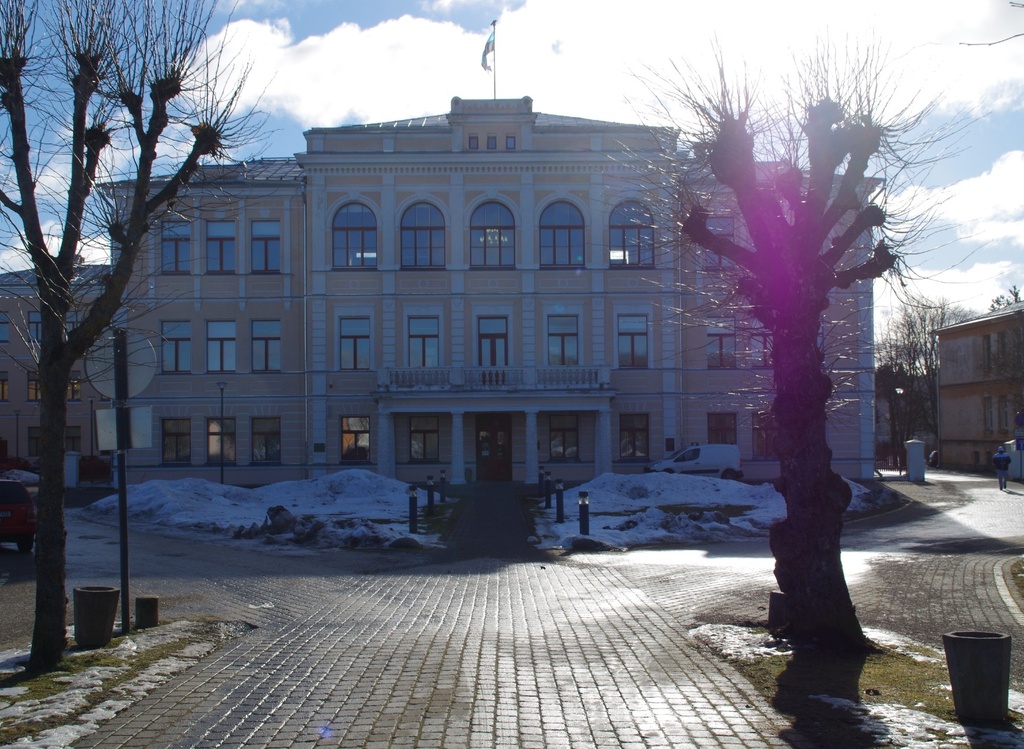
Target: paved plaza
{"type": "Point", "coordinates": [517, 648]}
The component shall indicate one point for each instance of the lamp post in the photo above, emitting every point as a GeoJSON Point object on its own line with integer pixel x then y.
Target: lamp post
{"type": "Point", "coordinates": [899, 432]}
{"type": "Point", "coordinates": [222, 385]}
{"type": "Point", "coordinates": [92, 426]}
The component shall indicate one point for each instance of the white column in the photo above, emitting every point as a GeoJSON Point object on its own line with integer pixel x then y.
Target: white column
{"type": "Point", "coordinates": [603, 442]}
{"type": "Point", "coordinates": [531, 445]}
{"type": "Point", "coordinates": [458, 459]}
{"type": "Point", "coordinates": [386, 443]}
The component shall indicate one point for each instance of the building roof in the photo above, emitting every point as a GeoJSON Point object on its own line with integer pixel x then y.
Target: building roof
{"type": "Point", "coordinates": [1009, 310]}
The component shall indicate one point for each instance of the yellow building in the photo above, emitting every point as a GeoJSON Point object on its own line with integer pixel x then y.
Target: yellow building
{"type": "Point", "coordinates": [981, 387]}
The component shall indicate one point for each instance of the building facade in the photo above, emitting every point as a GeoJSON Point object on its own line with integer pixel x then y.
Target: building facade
{"type": "Point", "coordinates": [490, 292]}
{"type": "Point", "coordinates": [981, 387]}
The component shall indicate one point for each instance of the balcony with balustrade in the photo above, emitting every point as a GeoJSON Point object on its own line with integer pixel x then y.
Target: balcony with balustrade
{"type": "Point", "coordinates": [493, 379]}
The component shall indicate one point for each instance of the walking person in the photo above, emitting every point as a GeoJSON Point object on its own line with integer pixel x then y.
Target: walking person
{"type": "Point", "coordinates": [1001, 460]}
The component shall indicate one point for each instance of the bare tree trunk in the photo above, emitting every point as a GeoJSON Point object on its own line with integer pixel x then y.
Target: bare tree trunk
{"type": "Point", "coordinates": [806, 544]}
{"type": "Point", "coordinates": [49, 636]}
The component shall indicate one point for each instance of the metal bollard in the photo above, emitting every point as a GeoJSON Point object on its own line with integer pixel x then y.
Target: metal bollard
{"type": "Point", "coordinates": [559, 502]}
{"type": "Point", "coordinates": [442, 486]}
{"type": "Point", "coordinates": [584, 513]}
{"type": "Point", "coordinates": [540, 479]}
{"type": "Point", "coordinates": [547, 490]}
{"type": "Point", "coordinates": [430, 495]}
{"type": "Point", "coordinates": [412, 509]}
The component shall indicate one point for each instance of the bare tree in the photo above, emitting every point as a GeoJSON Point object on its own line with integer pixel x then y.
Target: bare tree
{"type": "Point", "coordinates": [97, 93]}
{"type": "Point", "coordinates": [806, 179]}
{"type": "Point", "coordinates": [907, 355]}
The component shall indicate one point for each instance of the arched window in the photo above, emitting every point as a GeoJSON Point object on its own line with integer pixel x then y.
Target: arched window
{"type": "Point", "coordinates": [630, 235]}
{"type": "Point", "coordinates": [561, 235]}
{"type": "Point", "coordinates": [492, 236]}
{"type": "Point", "coordinates": [422, 237]}
{"type": "Point", "coordinates": [354, 237]}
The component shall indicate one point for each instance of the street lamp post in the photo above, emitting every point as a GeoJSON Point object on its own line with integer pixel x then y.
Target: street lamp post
{"type": "Point", "coordinates": [222, 385]}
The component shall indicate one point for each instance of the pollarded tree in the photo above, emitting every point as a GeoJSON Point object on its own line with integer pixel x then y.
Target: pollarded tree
{"type": "Point", "coordinates": [93, 92]}
{"type": "Point", "coordinates": [806, 181]}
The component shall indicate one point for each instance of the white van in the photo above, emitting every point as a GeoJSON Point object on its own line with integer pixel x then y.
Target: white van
{"type": "Point", "coordinates": [722, 461]}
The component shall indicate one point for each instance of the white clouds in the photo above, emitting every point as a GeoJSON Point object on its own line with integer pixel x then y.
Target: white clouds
{"type": "Point", "coordinates": [986, 208]}
{"type": "Point", "coordinates": [973, 286]}
{"type": "Point", "coordinates": [579, 56]}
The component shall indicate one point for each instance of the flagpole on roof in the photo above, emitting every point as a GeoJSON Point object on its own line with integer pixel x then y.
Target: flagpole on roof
{"type": "Point", "coordinates": [490, 50]}
{"type": "Point", "coordinates": [494, 81]}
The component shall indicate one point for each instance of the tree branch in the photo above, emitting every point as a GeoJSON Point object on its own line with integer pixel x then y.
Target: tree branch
{"type": "Point", "coordinates": [882, 260]}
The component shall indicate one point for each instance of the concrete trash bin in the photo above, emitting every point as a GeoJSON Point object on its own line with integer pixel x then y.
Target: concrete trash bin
{"type": "Point", "coordinates": [979, 673]}
{"type": "Point", "coordinates": [95, 611]}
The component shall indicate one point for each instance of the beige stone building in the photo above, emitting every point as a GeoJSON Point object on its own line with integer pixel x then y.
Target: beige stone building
{"type": "Point", "coordinates": [489, 292]}
{"type": "Point", "coordinates": [981, 387]}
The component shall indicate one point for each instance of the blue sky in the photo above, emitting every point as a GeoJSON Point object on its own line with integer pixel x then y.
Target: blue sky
{"type": "Point", "coordinates": [333, 62]}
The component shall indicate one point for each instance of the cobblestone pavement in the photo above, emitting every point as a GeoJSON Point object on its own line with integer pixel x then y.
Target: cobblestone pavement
{"type": "Point", "coordinates": [437, 650]}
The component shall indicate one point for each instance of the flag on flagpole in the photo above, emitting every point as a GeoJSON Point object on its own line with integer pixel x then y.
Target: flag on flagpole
{"type": "Point", "coordinates": [488, 49]}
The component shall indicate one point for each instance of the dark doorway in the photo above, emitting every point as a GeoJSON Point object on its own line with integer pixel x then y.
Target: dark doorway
{"type": "Point", "coordinates": [494, 447]}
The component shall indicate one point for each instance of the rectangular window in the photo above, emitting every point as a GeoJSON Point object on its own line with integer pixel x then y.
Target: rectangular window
{"type": "Point", "coordinates": [34, 439]}
{"type": "Point", "coordinates": [763, 433]}
{"type": "Point", "coordinates": [510, 143]}
{"type": "Point", "coordinates": [423, 342]}
{"type": "Point", "coordinates": [492, 142]}
{"type": "Point", "coordinates": [355, 343]}
{"type": "Point", "coordinates": [176, 346]}
{"type": "Point", "coordinates": [492, 341]}
{"type": "Point", "coordinates": [563, 340]}
{"type": "Point", "coordinates": [75, 387]}
{"type": "Point", "coordinates": [220, 346]}
{"type": "Point", "coordinates": [176, 440]}
{"type": "Point", "coordinates": [564, 437]}
{"type": "Point", "coordinates": [266, 345]}
{"type": "Point", "coordinates": [35, 326]}
{"type": "Point", "coordinates": [474, 142]}
{"type": "Point", "coordinates": [633, 436]}
{"type": "Point", "coordinates": [760, 350]}
{"type": "Point", "coordinates": [355, 439]}
{"type": "Point", "coordinates": [632, 341]}
{"type": "Point", "coordinates": [722, 428]}
{"type": "Point", "coordinates": [175, 247]}
{"type": "Point", "coordinates": [990, 416]}
{"type": "Point", "coordinates": [265, 246]}
{"type": "Point", "coordinates": [986, 351]}
{"type": "Point", "coordinates": [1003, 413]}
{"type": "Point", "coordinates": [423, 439]}
{"type": "Point", "coordinates": [5, 328]}
{"type": "Point", "coordinates": [35, 388]}
{"type": "Point", "coordinates": [5, 393]}
{"type": "Point", "coordinates": [73, 439]}
{"type": "Point", "coordinates": [266, 439]}
{"type": "Point", "coordinates": [721, 348]}
{"type": "Point", "coordinates": [220, 246]}
{"type": "Point", "coordinates": [220, 437]}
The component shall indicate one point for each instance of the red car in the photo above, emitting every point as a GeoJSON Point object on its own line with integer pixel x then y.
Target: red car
{"type": "Point", "coordinates": [17, 515]}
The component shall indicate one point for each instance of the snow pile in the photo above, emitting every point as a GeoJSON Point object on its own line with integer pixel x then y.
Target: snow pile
{"type": "Point", "coordinates": [353, 508]}
{"type": "Point", "coordinates": [357, 508]}
{"type": "Point", "coordinates": [627, 511]}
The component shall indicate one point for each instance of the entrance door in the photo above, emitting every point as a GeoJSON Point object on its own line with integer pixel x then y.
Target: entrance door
{"type": "Point", "coordinates": [494, 447]}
